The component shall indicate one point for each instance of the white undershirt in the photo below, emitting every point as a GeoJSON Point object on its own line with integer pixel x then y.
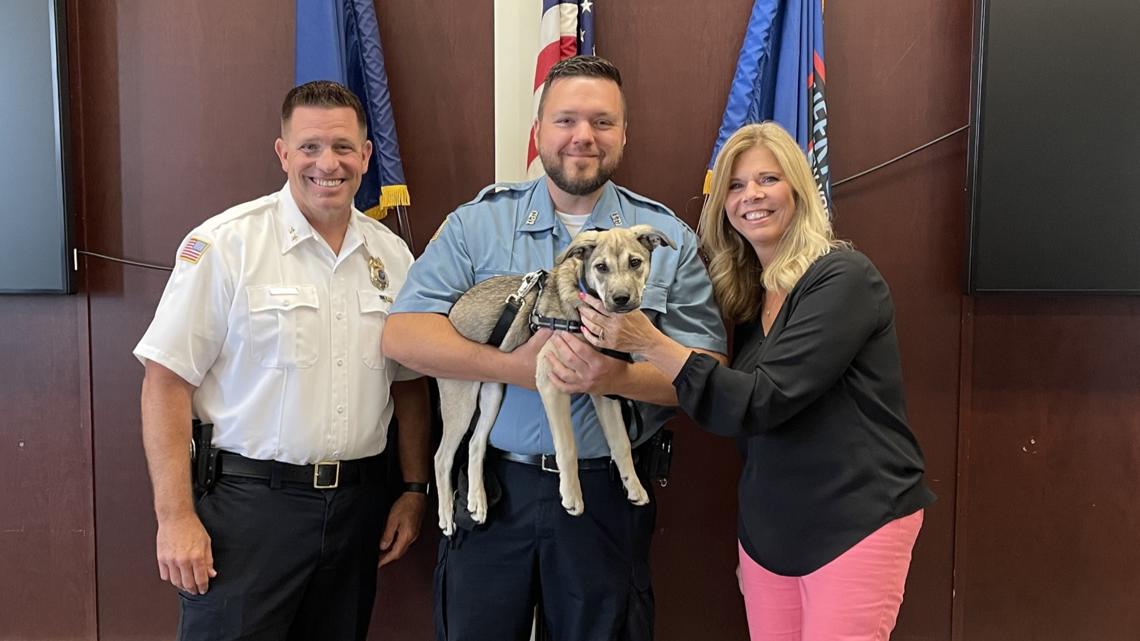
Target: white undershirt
{"type": "Point", "coordinates": [573, 222]}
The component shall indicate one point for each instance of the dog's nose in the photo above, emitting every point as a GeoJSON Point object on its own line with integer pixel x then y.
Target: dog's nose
{"type": "Point", "coordinates": [621, 299]}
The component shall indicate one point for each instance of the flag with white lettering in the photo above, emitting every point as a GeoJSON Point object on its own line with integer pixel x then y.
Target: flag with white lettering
{"type": "Point", "coordinates": [780, 77]}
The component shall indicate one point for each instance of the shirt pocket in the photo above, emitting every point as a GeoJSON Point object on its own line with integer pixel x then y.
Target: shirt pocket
{"type": "Point", "coordinates": [284, 325]}
{"type": "Point", "coordinates": [374, 309]}
{"type": "Point", "coordinates": [654, 300]}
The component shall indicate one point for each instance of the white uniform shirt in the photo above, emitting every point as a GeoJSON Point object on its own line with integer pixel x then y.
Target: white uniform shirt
{"type": "Point", "coordinates": [280, 336]}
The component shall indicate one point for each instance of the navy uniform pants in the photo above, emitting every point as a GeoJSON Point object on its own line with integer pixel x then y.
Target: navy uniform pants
{"type": "Point", "coordinates": [590, 573]}
{"type": "Point", "coordinates": [293, 562]}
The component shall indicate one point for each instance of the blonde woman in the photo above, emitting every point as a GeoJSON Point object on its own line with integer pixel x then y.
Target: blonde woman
{"type": "Point", "coordinates": [832, 491]}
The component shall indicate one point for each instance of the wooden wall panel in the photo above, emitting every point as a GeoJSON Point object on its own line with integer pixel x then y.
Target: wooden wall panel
{"type": "Point", "coordinates": [47, 533]}
{"type": "Point", "coordinates": [898, 76]}
{"type": "Point", "coordinates": [1049, 551]}
{"type": "Point", "coordinates": [181, 126]}
{"type": "Point", "coordinates": [441, 68]}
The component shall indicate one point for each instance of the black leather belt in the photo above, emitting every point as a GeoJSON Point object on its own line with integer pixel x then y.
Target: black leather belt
{"type": "Point", "coordinates": [547, 462]}
{"type": "Point", "coordinates": [326, 475]}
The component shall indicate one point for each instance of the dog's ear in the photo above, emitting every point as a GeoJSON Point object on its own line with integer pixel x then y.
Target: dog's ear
{"type": "Point", "coordinates": [651, 238]}
{"type": "Point", "coordinates": [582, 246]}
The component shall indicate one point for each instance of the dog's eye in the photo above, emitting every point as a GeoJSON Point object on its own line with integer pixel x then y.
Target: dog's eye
{"type": "Point", "coordinates": [602, 268]}
{"type": "Point", "coordinates": [635, 263]}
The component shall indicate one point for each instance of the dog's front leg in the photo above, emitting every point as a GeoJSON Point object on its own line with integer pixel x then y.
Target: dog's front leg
{"type": "Point", "coordinates": [457, 405]}
{"type": "Point", "coordinates": [609, 415]}
{"type": "Point", "coordinates": [490, 398]}
{"type": "Point", "coordinates": [557, 406]}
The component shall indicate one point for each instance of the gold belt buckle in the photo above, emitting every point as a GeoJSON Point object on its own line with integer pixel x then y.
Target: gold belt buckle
{"type": "Point", "coordinates": [317, 475]}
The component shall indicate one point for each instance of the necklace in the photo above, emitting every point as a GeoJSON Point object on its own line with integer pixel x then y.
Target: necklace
{"type": "Point", "coordinates": [772, 302]}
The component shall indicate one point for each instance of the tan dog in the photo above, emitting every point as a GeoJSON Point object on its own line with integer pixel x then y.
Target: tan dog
{"type": "Point", "coordinates": [615, 264]}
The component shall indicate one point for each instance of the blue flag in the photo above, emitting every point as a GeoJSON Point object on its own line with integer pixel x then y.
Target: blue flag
{"type": "Point", "coordinates": [340, 40]}
{"type": "Point", "coordinates": [780, 77]}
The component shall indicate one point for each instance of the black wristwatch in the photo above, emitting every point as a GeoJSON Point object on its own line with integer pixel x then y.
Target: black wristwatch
{"type": "Point", "coordinates": [418, 488]}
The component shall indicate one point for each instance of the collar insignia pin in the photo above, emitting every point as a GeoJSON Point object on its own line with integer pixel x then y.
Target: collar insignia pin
{"type": "Point", "coordinates": [616, 218]}
{"type": "Point", "coordinates": [532, 217]}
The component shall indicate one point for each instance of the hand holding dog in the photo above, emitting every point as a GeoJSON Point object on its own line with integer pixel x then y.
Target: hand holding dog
{"type": "Point", "coordinates": [631, 332]}
{"type": "Point", "coordinates": [577, 368]}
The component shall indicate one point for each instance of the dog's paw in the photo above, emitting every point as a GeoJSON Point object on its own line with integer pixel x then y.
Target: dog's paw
{"type": "Point", "coordinates": [635, 492]}
{"type": "Point", "coordinates": [573, 503]}
{"type": "Point", "coordinates": [446, 521]}
{"type": "Point", "coordinates": [447, 527]}
{"type": "Point", "coordinates": [477, 506]}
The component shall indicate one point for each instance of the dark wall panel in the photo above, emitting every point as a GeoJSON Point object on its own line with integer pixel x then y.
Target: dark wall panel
{"type": "Point", "coordinates": [1049, 546]}
{"type": "Point", "coordinates": [47, 532]}
{"type": "Point", "coordinates": [181, 121]}
{"type": "Point", "coordinates": [898, 76]}
{"type": "Point", "coordinates": [440, 61]}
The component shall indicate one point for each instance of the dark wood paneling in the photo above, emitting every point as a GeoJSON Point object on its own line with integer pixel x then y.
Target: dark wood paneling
{"type": "Point", "coordinates": [441, 69]}
{"type": "Point", "coordinates": [1050, 551]}
{"type": "Point", "coordinates": [677, 61]}
{"type": "Point", "coordinates": [47, 532]}
{"type": "Point", "coordinates": [440, 61]}
{"type": "Point", "coordinates": [898, 76]}
{"type": "Point", "coordinates": [181, 125]}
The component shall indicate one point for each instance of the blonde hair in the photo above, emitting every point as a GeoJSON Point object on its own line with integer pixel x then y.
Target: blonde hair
{"type": "Point", "coordinates": [737, 277]}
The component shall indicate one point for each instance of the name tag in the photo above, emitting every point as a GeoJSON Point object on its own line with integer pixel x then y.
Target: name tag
{"type": "Point", "coordinates": [284, 291]}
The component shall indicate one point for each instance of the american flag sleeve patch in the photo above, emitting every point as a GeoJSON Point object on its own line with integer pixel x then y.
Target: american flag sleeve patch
{"type": "Point", "coordinates": [193, 249]}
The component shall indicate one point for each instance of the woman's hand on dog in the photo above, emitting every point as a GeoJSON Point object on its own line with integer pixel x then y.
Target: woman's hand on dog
{"type": "Point", "coordinates": [630, 332]}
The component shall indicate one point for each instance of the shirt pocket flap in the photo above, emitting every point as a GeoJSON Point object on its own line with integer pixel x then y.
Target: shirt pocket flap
{"type": "Point", "coordinates": [373, 301]}
{"type": "Point", "coordinates": [655, 297]}
{"type": "Point", "coordinates": [266, 297]}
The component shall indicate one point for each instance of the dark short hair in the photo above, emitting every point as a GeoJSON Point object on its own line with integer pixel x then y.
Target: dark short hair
{"type": "Point", "coordinates": [581, 67]}
{"type": "Point", "coordinates": [322, 93]}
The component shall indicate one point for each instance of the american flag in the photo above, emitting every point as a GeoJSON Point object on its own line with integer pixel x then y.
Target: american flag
{"type": "Point", "coordinates": [193, 249]}
{"type": "Point", "coordinates": [566, 30]}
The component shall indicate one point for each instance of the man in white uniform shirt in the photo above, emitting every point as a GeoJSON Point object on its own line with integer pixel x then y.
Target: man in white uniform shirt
{"type": "Point", "coordinates": [269, 329]}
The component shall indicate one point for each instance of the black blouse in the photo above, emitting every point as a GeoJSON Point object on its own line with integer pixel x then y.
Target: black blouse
{"type": "Point", "coordinates": [818, 404]}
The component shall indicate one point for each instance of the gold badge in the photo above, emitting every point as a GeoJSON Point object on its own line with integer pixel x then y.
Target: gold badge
{"type": "Point", "coordinates": [376, 273]}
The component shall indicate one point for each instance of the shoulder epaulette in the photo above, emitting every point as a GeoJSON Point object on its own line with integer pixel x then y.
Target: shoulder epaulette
{"type": "Point", "coordinates": [215, 223]}
{"type": "Point", "coordinates": [497, 188]}
{"type": "Point", "coordinates": [632, 195]}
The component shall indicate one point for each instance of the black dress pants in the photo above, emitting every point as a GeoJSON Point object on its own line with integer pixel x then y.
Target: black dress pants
{"type": "Point", "coordinates": [589, 572]}
{"type": "Point", "coordinates": [294, 563]}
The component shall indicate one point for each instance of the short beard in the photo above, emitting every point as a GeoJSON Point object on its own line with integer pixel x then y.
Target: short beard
{"type": "Point", "coordinates": [582, 187]}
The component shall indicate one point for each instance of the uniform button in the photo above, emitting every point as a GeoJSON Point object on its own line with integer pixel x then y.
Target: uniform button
{"type": "Point", "coordinates": [340, 361]}
{"type": "Point", "coordinates": [340, 315]}
{"type": "Point", "coordinates": [340, 409]}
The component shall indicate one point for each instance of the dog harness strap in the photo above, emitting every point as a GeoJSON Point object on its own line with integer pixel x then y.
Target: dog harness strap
{"type": "Point", "coordinates": [621, 356]}
{"type": "Point", "coordinates": [512, 306]}
{"type": "Point", "coordinates": [510, 311]}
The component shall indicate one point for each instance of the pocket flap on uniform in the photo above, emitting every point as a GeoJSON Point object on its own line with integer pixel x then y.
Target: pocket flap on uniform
{"type": "Point", "coordinates": [266, 297]}
{"type": "Point", "coordinates": [655, 297]}
{"type": "Point", "coordinates": [372, 300]}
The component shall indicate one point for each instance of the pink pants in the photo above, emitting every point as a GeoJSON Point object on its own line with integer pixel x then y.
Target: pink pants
{"type": "Point", "coordinates": [855, 597]}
